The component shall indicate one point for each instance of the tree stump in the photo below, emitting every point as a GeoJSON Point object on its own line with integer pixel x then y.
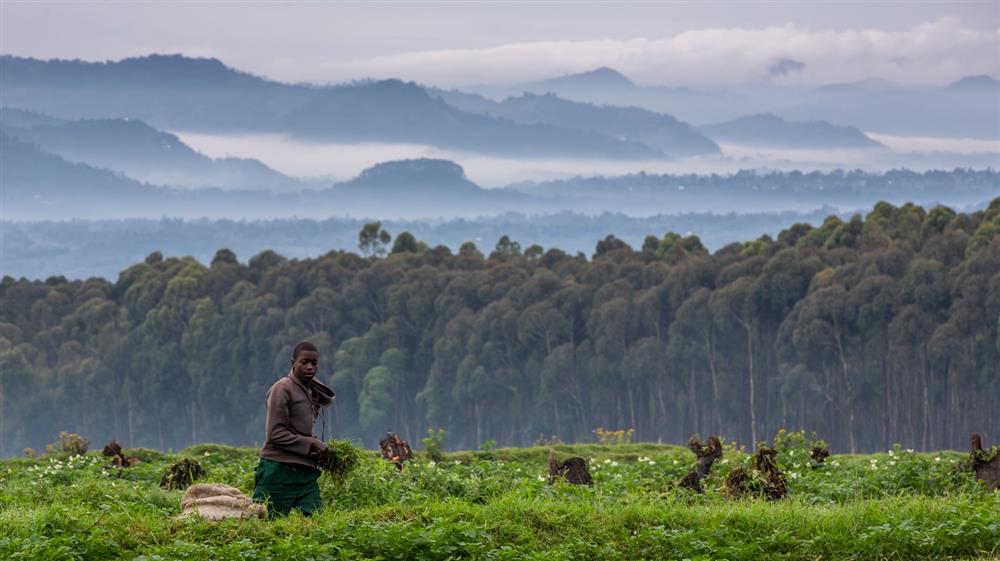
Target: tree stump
{"type": "Point", "coordinates": [182, 474]}
{"type": "Point", "coordinates": [762, 479]}
{"type": "Point", "coordinates": [707, 454]}
{"type": "Point", "coordinates": [395, 449]}
{"type": "Point", "coordinates": [114, 451]}
{"type": "Point", "coordinates": [817, 456]}
{"type": "Point", "coordinates": [573, 470]}
{"type": "Point", "coordinates": [986, 465]}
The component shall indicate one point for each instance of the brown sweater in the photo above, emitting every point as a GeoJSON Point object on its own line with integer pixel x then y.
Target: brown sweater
{"type": "Point", "coordinates": [291, 411]}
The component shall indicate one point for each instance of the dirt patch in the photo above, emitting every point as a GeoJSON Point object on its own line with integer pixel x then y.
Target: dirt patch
{"type": "Point", "coordinates": [707, 453]}
{"type": "Point", "coordinates": [761, 479]}
{"type": "Point", "coordinates": [395, 449]}
{"type": "Point", "coordinates": [986, 465]}
{"type": "Point", "coordinates": [182, 474]}
{"type": "Point", "coordinates": [573, 470]}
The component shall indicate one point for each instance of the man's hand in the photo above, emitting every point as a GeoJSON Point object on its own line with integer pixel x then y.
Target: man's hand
{"type": "Point", "coordinates": [318, 449]}
{"type": "Point", "coordinates": [324, 457]}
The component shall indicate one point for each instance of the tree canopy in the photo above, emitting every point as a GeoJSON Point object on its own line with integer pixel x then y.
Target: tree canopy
{"type": "Point", "coordinates": [873, 330]}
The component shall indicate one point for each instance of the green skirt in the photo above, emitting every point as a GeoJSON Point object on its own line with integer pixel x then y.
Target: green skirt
{"type": "Point", "coordinates": [286, 486]}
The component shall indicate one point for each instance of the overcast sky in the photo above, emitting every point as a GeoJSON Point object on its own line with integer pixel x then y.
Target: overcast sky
{"type": "Point", "coordinates": [454, 44]}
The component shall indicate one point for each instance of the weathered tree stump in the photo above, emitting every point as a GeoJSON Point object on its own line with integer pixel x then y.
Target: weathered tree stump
{"type": "Point", "coordinates": [707, 454]}
{"type": "Point", "coordinates": [182, 474]}
{"type": "Point", "coordinates": [986, 465]}
{"type": "Point", "coordinates": [395, 449]}
{"type": "Point", "coordinates": [818, 455]}
{"type": "Point", "coordinates": [762, 479]}
{"type": "Point", "coordinates": [114, 451]}
{"type": "Point", "coordinates": [573, 470]}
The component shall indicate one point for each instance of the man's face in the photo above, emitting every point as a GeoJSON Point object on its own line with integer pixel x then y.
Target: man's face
{"type": "Point", "coordinates": [305, 365]}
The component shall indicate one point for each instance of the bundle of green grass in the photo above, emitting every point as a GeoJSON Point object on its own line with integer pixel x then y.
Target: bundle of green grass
{"type": "Point", "coordinates": [343, 458]}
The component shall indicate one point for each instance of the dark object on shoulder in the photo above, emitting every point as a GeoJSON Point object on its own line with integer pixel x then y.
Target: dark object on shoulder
{"type": "Point", "coordinates": [574, 470]}
{"type": "Point", "coordinates": [395, 449]}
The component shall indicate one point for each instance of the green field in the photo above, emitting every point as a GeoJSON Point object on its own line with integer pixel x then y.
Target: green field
{"type": "Point", "coordinates": [497, 505]}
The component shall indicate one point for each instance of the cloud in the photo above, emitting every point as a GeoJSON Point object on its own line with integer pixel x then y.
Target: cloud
{"type": "Point", "coordinates": [936, 52]}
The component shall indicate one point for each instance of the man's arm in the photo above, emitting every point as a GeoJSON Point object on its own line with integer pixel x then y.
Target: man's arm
{"type": "Point", "coordinates": [280, 433]}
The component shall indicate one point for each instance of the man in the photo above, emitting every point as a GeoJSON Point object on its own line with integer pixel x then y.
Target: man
{"type": "Point", "coordinates": [286, 475]}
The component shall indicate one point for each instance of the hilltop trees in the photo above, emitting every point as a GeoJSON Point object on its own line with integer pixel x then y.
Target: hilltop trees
{"type": "Point", "coordinates": [872, 330]}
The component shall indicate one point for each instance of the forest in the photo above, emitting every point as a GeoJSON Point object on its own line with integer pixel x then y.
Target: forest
{"type": "Point", "coordinates": [874, 330]}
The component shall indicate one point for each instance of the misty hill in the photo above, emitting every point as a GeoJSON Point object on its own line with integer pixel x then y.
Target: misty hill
{"type": "Point", "coordinates": [401, 111]}
{"type": "Point", "coordinates": [39, 185]}
{"type": "Point", "coordinates": [419, 188]}
{"type": "Point", "coordinates": [146, 154]}
{"type": "Point", "coordinates": [29, 174]}
{"type": "Point", "coordinates": [156, 71]}
{"type": "Point", "coordinates": [22, 118]}
{"type": "Point", "coordinates": [602, 78]}
{"type": "Point", "coordinates": [965, 109]}
{"type": "Point", "coordinates": [981, 83]}
{"type": "Point", "coordinates": [661, 131]}
{"type": "Point", "coordinates": [767, 129]}
{"type": "Point", "coordinates": [423, 175]}
{"type": "Point", "coordinates": [181, 93]}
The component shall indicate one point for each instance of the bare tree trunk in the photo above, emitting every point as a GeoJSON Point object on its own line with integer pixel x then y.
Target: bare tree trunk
{"type": "Point", "coordinates": [131, 423]}
{"type": "Point", "coordinates": [194, 417]}
{"type": "Point", "coordinates": [925, 400]}
{"type": "Point", "coordinates": [631, 403]}
{"type": "Point", "coordinates": [477, 409]}
{"type": "Point", "coordinates": [695, 412]}
{"type": "Point", "coordinates": [849, 398]}
{"type": "Point", "coordinates": [753, 413]}
{"type": "Point", "coordinates": [716, 414]}
{"type": "Point", "coordinates": [3, 441]}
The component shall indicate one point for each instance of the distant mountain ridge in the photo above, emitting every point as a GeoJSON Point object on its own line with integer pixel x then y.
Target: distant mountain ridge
{"type": "Point", "coordinates": [186, 94]}
{"type": "Point", "coordinates": [967, 108]}
{"type": "Point", "coordinates": [657, 130]}
{"type": "Point", "coordinates": [602, 77]}
{"type": "Point", "coordinates": [768, 129]}
{"type": "Point", "coordinates": [142, 152]}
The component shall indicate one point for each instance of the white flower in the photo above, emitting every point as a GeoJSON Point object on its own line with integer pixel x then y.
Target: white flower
{"type": "Point", "coordinates": [431, 464]}
{"type": "Point", "coordinates": [890, 452]}
{"type": "Point", "coordinates": [652, 463]}
{"type": "Point", "coordinates": [676, 462]}
{"type": "Point", "coordinates": [541, 478]}
{"type": "Point", "coordinates": [937, 459]}
{"type": "Point", "coordinates": [607, 460]}
{"type": "Point", "coordinates": [793, 474]}
{"type": "Point", "coordinates": [207, 454]}
{"type": "Point", "coordinates": [909, 450]}
{"type": "Point", "coordinates": [614, 463]}
{"type": "Point", "coordinates": [874, 467]}
{"type": "Point", "coordinates": [892, 462]}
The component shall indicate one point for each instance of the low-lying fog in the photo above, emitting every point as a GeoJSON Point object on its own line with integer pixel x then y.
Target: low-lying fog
{"type": "Point", "coordinates": [341, 162]}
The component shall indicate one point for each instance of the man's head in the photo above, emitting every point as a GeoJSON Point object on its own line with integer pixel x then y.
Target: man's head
{"type": "Point", "coordinates": [305, 361]}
